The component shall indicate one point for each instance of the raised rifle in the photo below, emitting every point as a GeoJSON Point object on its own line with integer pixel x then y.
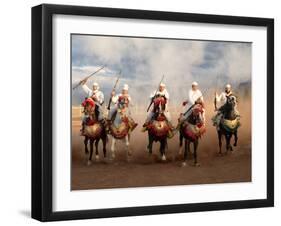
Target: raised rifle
{"type": "Point", "coordinates": [114, 87]}
{"type": "Point", "coordinates": [154, 94]}
{"type": "Point", "coordinates": [83, 81]}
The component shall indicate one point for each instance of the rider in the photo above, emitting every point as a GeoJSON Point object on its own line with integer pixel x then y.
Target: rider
{"type": "Point", "coordinates": [98, 97]}
{"type": "Point", "coordinates": [221, 99]}
{"type": "Point", "coordinates": [121, 102]}
{"type": "Point", "coordinates": [161, 92]}
{"type": "Point", "coordinates": [194, 97]}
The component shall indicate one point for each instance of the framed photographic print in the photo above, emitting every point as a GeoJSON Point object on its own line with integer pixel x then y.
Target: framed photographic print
{"type": "Point", "coordinates": [145, 112]}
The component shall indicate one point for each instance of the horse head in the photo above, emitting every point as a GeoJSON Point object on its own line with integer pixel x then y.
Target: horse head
{"type": "Point", "coordinates": [159, 103]}
{"type": "Point", "coordinates": [228, 108]}
{"type": "Point", "coordinates": [89, 107]}
{"type": "Point", "coordinates": [196, 117]}
{"type": "Point", "coordinates": [230, 102]}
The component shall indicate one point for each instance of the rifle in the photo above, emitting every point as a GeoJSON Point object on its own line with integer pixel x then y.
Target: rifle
{"type": "Point", "coordinates": [215, 99]}
{"type": "Point", "coordinates": [110, 100]}
{"type": "Point", "coordinates": [154, 94]}
{"type": "Point", "coordinates": [85, 79]}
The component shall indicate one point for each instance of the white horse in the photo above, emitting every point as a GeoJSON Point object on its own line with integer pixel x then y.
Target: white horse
{"type": "Point", "coordinates": [120, 130]}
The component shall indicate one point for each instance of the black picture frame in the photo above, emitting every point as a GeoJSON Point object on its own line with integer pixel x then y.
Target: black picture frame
{"type": "Point", "coordinates": [42, 111]}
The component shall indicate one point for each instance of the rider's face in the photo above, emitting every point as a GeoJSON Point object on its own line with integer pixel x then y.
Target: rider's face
{"type": "Point", "coordinates": [161, 88]}
{"type": "Point", "coordinates": [95, 88]}
{"type": "Point", "coordinates": [194, 88]}
{"type": "Point", "coordinates": [124, 92]}
{"type": "Point", "coordinates": [227, 90]}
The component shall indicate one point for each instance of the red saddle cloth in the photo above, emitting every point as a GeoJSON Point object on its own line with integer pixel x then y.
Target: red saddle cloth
{"type": "Point", "coordinates": [193, 131]}
{"type": "Point", "coordinates": [89, 101]}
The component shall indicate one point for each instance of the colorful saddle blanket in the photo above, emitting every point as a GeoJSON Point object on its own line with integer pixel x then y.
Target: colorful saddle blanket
{"type": "Point", "coordinates": [194, 131]}
{"type": "Point", "coordinates": [230, 125]}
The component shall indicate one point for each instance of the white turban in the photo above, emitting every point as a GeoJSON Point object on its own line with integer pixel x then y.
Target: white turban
{"type": "Point", "coordinates": [194, 84]}
{"type": "Point", "coordinates": [162, 85]}
{"type": "Point", "coordinates": [227, 86]}
{"type": "Point", "coordinates": [126, 87]}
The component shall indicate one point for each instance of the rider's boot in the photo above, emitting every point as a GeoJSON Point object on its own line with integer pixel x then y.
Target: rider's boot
{"type": "Point", "coordinates": [82, 130]}
{"type": "Point", "coordinates": [144, 127]}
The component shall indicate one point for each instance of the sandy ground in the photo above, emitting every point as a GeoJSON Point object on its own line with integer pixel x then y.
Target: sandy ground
{"type": "Point", "coordinates": [143, 170]}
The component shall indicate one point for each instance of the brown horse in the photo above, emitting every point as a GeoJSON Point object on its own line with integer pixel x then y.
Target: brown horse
{"type": "Point", "coordinates": [93, 131]}
{"type": "Point", "coordinates": [191, 130]}
{"type": "Point", "coordinates": [158, 128]}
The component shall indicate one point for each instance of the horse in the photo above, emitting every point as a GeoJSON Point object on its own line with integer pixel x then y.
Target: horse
{"type": "Point", "coordinates": [158, 128]}
{"type": "Point", "coordinates": [93, 131]}
{"type": "Point", "coordinates": [120, 128]}
{"type": "Point", "coordinates": [191, 130]}
{"type": "Point", "coordinates": [229, 124]}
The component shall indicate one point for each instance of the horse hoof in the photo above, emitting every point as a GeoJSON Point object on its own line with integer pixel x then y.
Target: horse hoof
{"type": "Point", "coordinates": [183, 164]}
{"type": "Point", "coordinates": [196, 164]}
{"type": "Point", "coordinates": [89, 163]}
{"type": "Point", "coordinates": [97, 158]}
{"type": "Point", "coordinates": [180, 152]}
{"type": "Point", "coordinates": [163, 158]}
{"type": "Point", "coordinates": [219, 154]}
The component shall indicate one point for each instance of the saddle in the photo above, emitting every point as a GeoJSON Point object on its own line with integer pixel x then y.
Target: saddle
{"type": "Point", "coordinates": [193, 131]}
{"type": "Point", "coordinates": [230, 125]}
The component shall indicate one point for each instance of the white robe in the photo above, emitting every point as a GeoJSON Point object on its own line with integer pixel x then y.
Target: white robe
{"type": "Point", "coordinates": [100, 98]}
{"type": "Point", "coordinates": [221, 100]}
{"type": "Point", "coordinates": [97, 93]}
{"type": "Point", "coordinates": [166, 113]}
{"type": "Point", "coordinates": [193, 96]}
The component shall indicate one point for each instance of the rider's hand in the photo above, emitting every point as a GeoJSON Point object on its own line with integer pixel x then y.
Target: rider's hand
{"type": "Point", "coordinates": [83, 82]}
{"type": "Point", "coordinates": [184, 103]}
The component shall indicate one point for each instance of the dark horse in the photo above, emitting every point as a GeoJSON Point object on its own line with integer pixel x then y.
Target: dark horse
{"type": "Point", "coordinates": [94, 130]}
{"type": "Point", "coordinates": [158, 128]}
{"type": "Point", "coordinates": [191, 130]}
{"type": "Point", "coordinates": [229, 123]}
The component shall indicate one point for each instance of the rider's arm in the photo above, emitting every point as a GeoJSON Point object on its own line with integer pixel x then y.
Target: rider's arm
{"type": "Point", "coordinates": [220, 97]}
{"type": "Point", "coordinates": [115, 99]}
{"type": "Point", "coordinates": [190, 97]}
{"type": "Point", "coordinates": [101, 98]}
{"type": "Point", "coordinates": [87, 90]}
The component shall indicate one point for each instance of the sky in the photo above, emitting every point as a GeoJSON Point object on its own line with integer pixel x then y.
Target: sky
{"type": "Point", "coordinates": [143, 61]}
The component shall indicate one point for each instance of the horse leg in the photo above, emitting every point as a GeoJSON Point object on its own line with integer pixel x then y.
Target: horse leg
{"type": "Point", "coordinates": [195, 146]}
{"type": "Point", "coordinates": [127, 142]}
{"type": "Point", "coordinates": [150, 142]}
{"type": "Point", "coordinates": [86, 145]}
{"type": "Point", "coordinates": [220, 142]}
{"type": "Point", "coordinates": [104, 140]}
{"type": "Point", "coordinates": [181, 139]}
{"type": "Point", "coordinates": [113, 147]}
{"type": "Point", "coordinates": [97, 149]}
{"type": "Point", "coordinates": [162, 149]}
{"type": "Point", "coordinates": [91, 151]}
{"type": "Point", "coordinates": [186, 151]}
{"type": "Point", "coordinates": [235, 138]}
{"type": "Point", "coordinates": [228, 145]}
